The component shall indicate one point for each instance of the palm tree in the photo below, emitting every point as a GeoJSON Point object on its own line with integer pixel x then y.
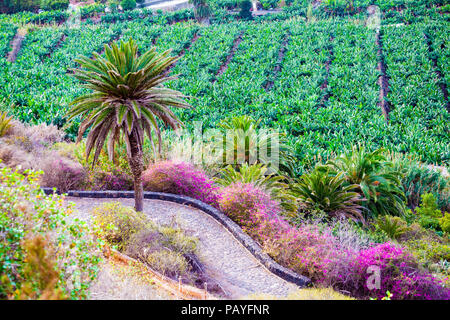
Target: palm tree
{"type": "Point", "coordinates": [202, 10]}
{"type": "Point", "coordinates": [377, 179]}
{"type": "Point", "coordinates": [319, 189]}
{"type": "Point", "coordinates": [126, 101]}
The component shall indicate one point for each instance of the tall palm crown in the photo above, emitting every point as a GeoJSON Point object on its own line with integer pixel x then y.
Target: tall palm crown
{"type": "Point", "coordinates": [127, 97]}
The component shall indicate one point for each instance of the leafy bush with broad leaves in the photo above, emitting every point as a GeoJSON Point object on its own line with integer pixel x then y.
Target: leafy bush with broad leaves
{"type": "Point", "coordinates": [40, 232]}
{"type": "Point", "coordinates": [180, 178]}
{"type": "Point", "coordinates": [428, 213]}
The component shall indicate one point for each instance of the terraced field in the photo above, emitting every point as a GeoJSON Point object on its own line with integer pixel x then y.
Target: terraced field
{"type": "Point", "coordinates": [317, 82]}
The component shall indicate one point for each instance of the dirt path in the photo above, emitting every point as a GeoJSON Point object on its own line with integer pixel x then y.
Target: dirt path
{"type": "Point", "coordinates": [324, 86]}
{"type": "Point", "coordinates": [383, 80]}
{"type": "Point", "coordinates": [279, 64]}
{"type": "Point", "coordinates": [230, 56]}
{"type": "Point", "coordinates": [16, 44]}
{"type": "Point", "coordinates": [233, 267]}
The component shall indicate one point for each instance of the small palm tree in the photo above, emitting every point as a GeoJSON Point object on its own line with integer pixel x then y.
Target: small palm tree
{"type": "Point", "coordinates": [377, 179]}
{"type": "Point", "coordinates": [319, 189]}
{"type": "Point", "coordinates": [126, 101]}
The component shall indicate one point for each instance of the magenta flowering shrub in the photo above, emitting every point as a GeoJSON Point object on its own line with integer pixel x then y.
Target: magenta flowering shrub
{"type": "Point", "coordinates": [305, 250]}
{"type": "Point", "coordinates": [398, 270]}
{"type": "Point", "coordinates": [248, 205]}
{"type": "Point", "coordinates": [180, 178]}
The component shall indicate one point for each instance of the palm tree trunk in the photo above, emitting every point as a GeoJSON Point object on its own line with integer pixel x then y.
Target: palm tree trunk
{"type": "Point", "coordinates": [137, 166]}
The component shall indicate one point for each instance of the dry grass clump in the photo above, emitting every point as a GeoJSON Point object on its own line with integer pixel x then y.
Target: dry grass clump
{"type": "Point", "coordinates": [44, 135]}
{"type": "Point", "coordinates": [166, 249]}
{"type": "Point", "coordinates": [303, 294]}
{"type": "Point", "coordinates": [30, 148]}
{"type": "Point", "coordinates": [61, 173]}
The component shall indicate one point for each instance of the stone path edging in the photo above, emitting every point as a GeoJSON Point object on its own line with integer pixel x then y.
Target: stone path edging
{"type": "Point", "coordinates": [230, 225]}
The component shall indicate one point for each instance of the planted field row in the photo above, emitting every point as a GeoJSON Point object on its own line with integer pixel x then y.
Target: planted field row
{"type": "Point", "coordinates": [440, 46]}
{"type": "Point", "coordinates": [7, 32]}
{"type": "Point", "coordinates": [39, 82]}
{"type": "Point", "coordinates": [418, 116]}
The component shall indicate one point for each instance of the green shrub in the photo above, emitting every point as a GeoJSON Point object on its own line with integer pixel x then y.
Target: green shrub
{"type": "Point", "coordinates": [48, 254]}
{"type": "Point", "coordinates": [128, 4]}
{"type": "Point", "coordinates": [429, 251]}
{"type": "Point", "coordinates": [419, 179]}
{"type": "Point", "coordinates": [54, 4]}
{"type": "Point", "coordinates": [245, 12]}
{"type": "Point", "coordinates": [321, 190]}
{"type": "Point", "coordinates": [118, 223]}
{"type": "Point", "coordinates": [444, 222]}
{"type": "Point", "coordinates": [428, 213]}
{"type": "Point", "coordinates": [378, 181]}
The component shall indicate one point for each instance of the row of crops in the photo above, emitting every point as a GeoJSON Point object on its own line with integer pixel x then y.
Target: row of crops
{"type": "Point", "coordinates": [7, 32]}
{"type": "Point", "coordinates": [318, 119]}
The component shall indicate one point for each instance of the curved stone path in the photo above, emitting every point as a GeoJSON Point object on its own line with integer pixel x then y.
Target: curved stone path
{"type": "Point", "coordinates": [234, 268]}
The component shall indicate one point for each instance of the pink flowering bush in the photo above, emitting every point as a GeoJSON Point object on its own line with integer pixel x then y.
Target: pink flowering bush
{"type": "Point", "coordinates": [180, 178]}
{"type": "Point", "coordinates": [305, 250]}
{"type": "Point", "coordinates": [399, 274]}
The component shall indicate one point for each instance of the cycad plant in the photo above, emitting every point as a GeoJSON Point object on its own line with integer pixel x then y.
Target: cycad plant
{"type": "Point", "coordinates": [251, 145]}
{"type": "Point", "coordinates": [329, 193]}
{"type": "Point", "coordinates": [127, 101]}
{"type": "Point", "coordinates": [377, 179]}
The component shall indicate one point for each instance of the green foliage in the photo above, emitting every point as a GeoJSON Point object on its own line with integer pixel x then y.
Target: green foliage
{"type": "Point", "coordinates": [429, 251]}
{"type": "Point", "coordinates": [376, 178]}
{"type": "Point", "coordinates": [128, 4]}
{"type": "Point", "coordinates": [394, 227]}
{"type": "Point", "coordinates": [319, 189]}
{"type": "Point", "coordinates": [35, 225]}
{"type": "Point", "coordinates": [117, 223]}
{"type": "Point", "coordinates": [54, 4]}
{"type": "Point", "coordinates": [250, 146]}
{"type": "Point", "coordinates": [11, 6]}
{"type": "Point", "coordinates": [444, 222]}
{"type": "Point", "coordinates": [428, 213]}
{"type": "Point", "coordinates": [419, 179]}
{"type": "Point", "coordinates": [245, 13]}
{"type": "Point", "coordinates": [5, 123]}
